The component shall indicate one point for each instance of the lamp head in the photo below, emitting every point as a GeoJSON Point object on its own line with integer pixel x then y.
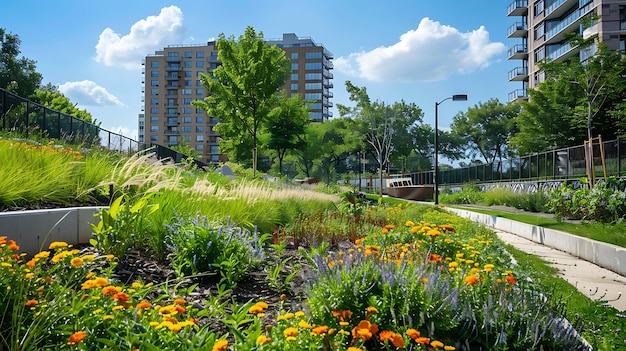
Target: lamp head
{"type": "Point", "coordinates": [460, 97]}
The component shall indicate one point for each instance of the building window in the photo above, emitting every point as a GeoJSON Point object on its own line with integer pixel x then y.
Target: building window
{"type": "Point", "coordinates": [539, 32]}
{"type": "Point", "coordinates": [622, 18]}
{"type": "Point", "coordinates": [187, 91]}
{"type": "Point", "coordinates": [199, 64]}
{"type": "Point", "coordinates": [294, 76]}
{"type": "Point", "coordinates": [172, 54]}
{"type": "Point", "coordinates": [154, 138]}
{"type": "Point", "coordinates": [294, 86]}
{"type": "Point", "coordinates": [294, 55]}
{"type": "Point", "coordinates": [294, 66]}
{"type": "Point", "coordinates": [316, 106]}
{"type": "Point", "coordinates": [186, 119]}
{"type": "Point", "coordinates": [215, 149]}
{"type": "Point", "coordinates": [539, 7]}
{"type": "Point", "coordinates": [154, 110]}
{"type": "Point", "coordinates": [316, 115]}
{"type": "Point", "coordinates": [199, 137]}
{"type": "Point", "coordinates": [187, 138]}
{"type": "Point", "coordinates": [199, 54]}
{"type": "Point", "coordinates": [188, 54]}
{"type": "Point", "coordinates": [199, 119]}
{"type": "Point", "coordinates": [188, 74]}
{"type": "Point", "coordinates": [154, 64]}
{"type": "Point", "coordinates": [313, 76]}
{"type": "Point", "coordinates": [186, 101]}
{"type": "Point", "coordinates": [188, 82]}
{"type": "Point", "coordinates": [313, 86]}
{"type": "Point", "coordinates": [313, 55]}
{"type": "Point", "coordinates": [154, 129]}
{"type": "Point", "coordinates": [199, 147]}
{"type": "Point", "coordinates": [213, 55]}
{"type": "Point", "coordinates": [313, 96]}
{"type": "Point", "coordinates": [186, 129]}
{"type": "Point", "coordinates": [188, 64]}
{"type": "Point", "coordinates": [154, 73]}
{"type": "Point", "coordinates": [154, 83]}
{"type": "Point", "coordinates": [154, 91]}
{"type": "Point", "coordinates": [200, 91]}
{"type": "Point", "coordinates": [198, 83]}
{"type": "Point", "coordinates": [154, 119]}
{"type": "Point", "coordinates": [313, 65]}
{"type": "Point", "coordinates": [199, 129]}
{"type": "Point", "coordinates": [154, 101]}
{"type": "Point", "coordinates": [186, 110]}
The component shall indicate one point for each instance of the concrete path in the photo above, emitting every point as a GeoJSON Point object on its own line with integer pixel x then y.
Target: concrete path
{"type": "Point", "coordinates": [594, 281]}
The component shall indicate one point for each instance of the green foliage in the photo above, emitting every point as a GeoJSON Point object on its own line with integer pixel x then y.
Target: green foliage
{"type": "Point", "coordinates": [122, 225]}
{"type": "Point", "coordinates": [52, 98]}
{"type": "Point", "coordinates": [198, 246]}
{"type": "Point", "coordinates": [18, 74]}
{"type": "Point", "coordinates": [244, 92]}
{"type": "Point", "coordinates": [486, 127]}
{"type": "Point", "coordinates": [604, 203]}
{"type": "Point", "coordinates": [468, 195]}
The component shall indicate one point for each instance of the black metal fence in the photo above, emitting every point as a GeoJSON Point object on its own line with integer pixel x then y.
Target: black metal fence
{"type": "Point", "coordinates": [27, 117]}
{"type": "Point", "coordinates": [30, 118]}
{"type": "Point", "coordinates": [561, 164]}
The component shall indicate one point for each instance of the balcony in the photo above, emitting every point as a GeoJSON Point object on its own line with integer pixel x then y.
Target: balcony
{"type": "Point", "coordinates": [517, 30]}
{"type": "Point", "coordinates": [172, 123]}
{"type": "Point", "coordinates": [591, 31]}
{"type": "Point", "coordinates": [174, 67]}
{"type": "Point", "coordinates": [172, 132]}
{"type": "Point", "coordinates": [568, 24]}
{"type": "Point", "coordinates": [518, 52]}
{"type": "Point", "coordinates": [517, 8]}
{"type": "Point", "coordinates": [172, 58]}
{"type": "Point", "coordinates": [559, 8]}
{"type": "Point", "coordinates": [517, 95]}
{"type": "Point", "coordinates": [518, 74]}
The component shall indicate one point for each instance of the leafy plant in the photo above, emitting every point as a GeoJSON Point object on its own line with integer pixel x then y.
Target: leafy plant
{"type": "Point", "coordinates": [119, 225]}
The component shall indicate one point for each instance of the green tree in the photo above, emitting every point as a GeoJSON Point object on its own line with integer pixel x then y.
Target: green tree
{"type": "Point", "coordinates": [50, 97]}
{"type": "Point", "coordinates": [386, 127]}
{"type": "Point", "coordinates": [486, 128]}
{"type": "Point", "coordinates": [286, 126]}
{"type": "Point", "coordinates": [247, 81]}
{"type": "Point", "coordinates": [17, 74]}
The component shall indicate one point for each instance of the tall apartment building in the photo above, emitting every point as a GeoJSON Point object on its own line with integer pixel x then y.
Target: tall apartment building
{"type": "Point", "coordinates": [541, 31]}
{"type": "Point", "coordinates": [172, 82]}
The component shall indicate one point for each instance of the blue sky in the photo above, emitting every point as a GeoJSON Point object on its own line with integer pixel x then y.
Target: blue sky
{"type": "Point", "coordinates": [413, 50]}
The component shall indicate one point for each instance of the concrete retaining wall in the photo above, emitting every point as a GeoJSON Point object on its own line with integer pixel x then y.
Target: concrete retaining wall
{"type": "Point", "coordinates": [35, 230]}
{"type": "Point", "coordinates": [602, 254]}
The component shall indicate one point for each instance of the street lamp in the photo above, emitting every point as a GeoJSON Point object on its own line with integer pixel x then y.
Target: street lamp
{"type": "Point", "coordinates": [460, 97]}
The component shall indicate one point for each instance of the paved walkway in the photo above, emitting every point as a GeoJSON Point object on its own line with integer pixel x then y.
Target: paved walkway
{"type": "Point", "coordinates": [594, 281]}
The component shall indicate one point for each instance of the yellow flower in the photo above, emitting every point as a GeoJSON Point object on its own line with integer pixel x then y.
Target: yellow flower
{"type": "Point", "coordinates": [290, 332]}
{"type": "Point", "coordinates": [304, 325]}
{"type": "Point", "coordinates": [57, 245]}
{"type": "Point", "coordinates": [449, 348]}
{"type": "Point", "coordinates": [262, 340]}
{"type": "Point", "coordinates": [489, 267]}
{"type": "Point", "coordinates": [76, 262]}
{"type": "Point", "coordinates": [436, 344]}
{"type": "Point", "coordinates": [409, 224]}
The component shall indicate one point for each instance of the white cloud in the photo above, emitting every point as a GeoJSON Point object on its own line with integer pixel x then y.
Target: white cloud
{"type": "Point", "coordinates": [431, 52]}
{"type": "Point", "coordinates": [125, 131]}
{"type": "Point", "coordinates": [152, 33]}
{"type": "Point", "coordinates": [88, 93]}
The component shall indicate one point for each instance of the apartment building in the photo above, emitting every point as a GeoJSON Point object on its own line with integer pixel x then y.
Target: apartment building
{"type": "Point", "coordinates": [172, 81]}
{"type": "Point", "coordinates": [541, 27]}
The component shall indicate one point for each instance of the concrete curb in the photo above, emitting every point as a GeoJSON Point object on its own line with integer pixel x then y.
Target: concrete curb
{"type": "Point", "coordinates": [34, 230]}
{"type": "Point", "coordinates": [605, 255]}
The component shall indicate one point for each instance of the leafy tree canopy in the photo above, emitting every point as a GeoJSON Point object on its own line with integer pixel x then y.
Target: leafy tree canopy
{"type": "Point", "coordinates": [17, 74]}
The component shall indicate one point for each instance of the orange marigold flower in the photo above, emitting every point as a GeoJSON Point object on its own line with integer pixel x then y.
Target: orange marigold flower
{"type": "Point", "coordinates": [352, 348]}
{"type": "Point", "coordinates": [436, 344]}
{"type": "Point", "coordinates": [433, 233]}
{"type": "Point", "coordinates": [434, 257]}
{"type": "Point", "coordinates": [364, 330]}
{"type": "Point", "coordinates": [120, 296]}
{"type": "Point", "coordinates": [110, 290]}
{"type": "Point", "coordinates": [371, 310]}
{"type": "Point", "coordinates": [394, 338]}
{"type": "Point", "coordinates": [449, 348]}
{"type": "Point", "coordinates": [221, 345]}
{"type": "Point", "coordinates": [76, 337]}
{"type": "Point", "coordinates": [30, 303]}
{"type": "Point", "coordinates": [180, 301]}
{"type": "Point", "coordinates": [447, 228]}
{"type": "Point", "coordinates": [291, 331]}
{"type": "Point", "coordinates": [471, 279]}
{"type": "Point", "coordinates": [144, 305]}
{"type": "Point", "coordinates": [31, 263]}
{"type": "Point", "coordinates": [322, 329]}
{"type": "Point", "coordinates": [343, 315]}
{"type": "Point", "coordinates": [413, 333]}
{"type": "Point", "coordinates": [510, 279]}
{"type": "Point", "coordinates": [385, 230]}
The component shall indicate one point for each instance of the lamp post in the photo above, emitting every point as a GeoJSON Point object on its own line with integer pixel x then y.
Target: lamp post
{"type": "Point", "coordinates": [460, 97]}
